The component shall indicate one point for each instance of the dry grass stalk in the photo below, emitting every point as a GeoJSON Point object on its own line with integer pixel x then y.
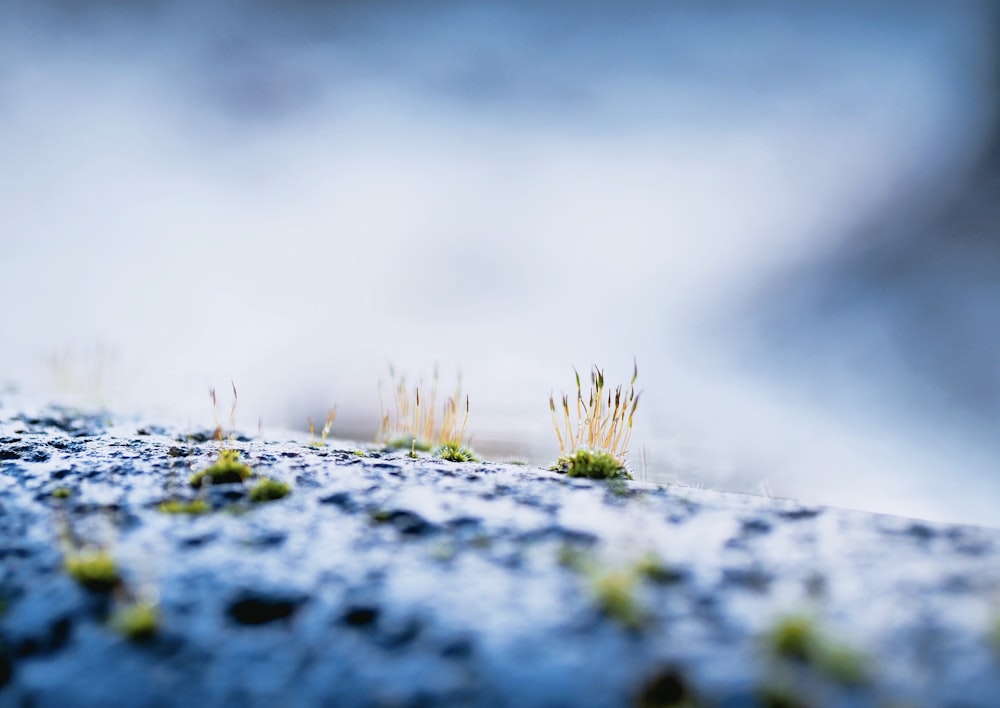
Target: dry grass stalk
{"type": "Point", "coordinates": [413, 417]}
{"type": "Point", "coordinates": [603, 421]}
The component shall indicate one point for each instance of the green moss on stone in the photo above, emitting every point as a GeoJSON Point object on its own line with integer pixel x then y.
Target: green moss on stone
{"type": "Point", "coordinates": [179, 506]}
{"type": "Point", "coordinates": [593, 464]}
{"type": "Point", "coordinates": [453, 452]}
{"type": "Point", "coordinates": [268, 490]}
{"type": "Point", "coordinates": [796, 637]}
{"type": "Point", "coordinates": [615, 593]}
{"type": "Point", "coordinates": [226, 470]}
{"type": "Point", "coordinates": [136, 621]}
{"type": "Point", "coordinates": [93, 568]}
{"type": "Point", "coordinates": [61, 493]}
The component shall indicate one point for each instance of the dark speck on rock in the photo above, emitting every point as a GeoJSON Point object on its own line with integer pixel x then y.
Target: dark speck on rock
{"type": "Point", "coordinates": [261, 608]}
{"type": "Point", "coordinates": [753, 579]}
{"type": "Point", "coordinates": [398, 632]}
{"type": "Point", "coordinates": [921, 531]}
{"type": "Point", "coordinates": [406, 522]}
{"type": "Point", "coordinates": [342, 500]}
{"type": "Point", "coordinates": [360, 615]}
{"type": "Point", "coordinates": [799, 513]}
{"type": "Point", "coordinates": [458, 648]}
{"type": "Point", "coordinates": [666, 687]}
{"type": "Point", "coordinates": [755, 527]}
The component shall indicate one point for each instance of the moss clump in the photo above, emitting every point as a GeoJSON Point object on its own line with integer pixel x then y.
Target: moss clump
{"type": "Point", "coordinates": [93, 568]}
{"type": "Point", "coordinates": [268, 490]}
{"type": "Point", "coordinates": [794, 637]}
{"type": "Point", "coordinates": [797, 638]}
{"type": "Point", "coordinates": [61, 493]}
{"type": "Point", "coordinates": [453, 452]}
{"type": "Point", "coordinates": [652, 567]}
{"type": "Point", "coordinates": [615, 594]}
{"type": "Point", "coordinates": [137, 621]}
{"type": "Point", "coordinates": [593, 464]}
{"type": "Point", "coordinates": [179, 506]}
{"type": "Point", "coordinates": [226, 470]}
{"type": "Point", "coordinates": [842, 664]}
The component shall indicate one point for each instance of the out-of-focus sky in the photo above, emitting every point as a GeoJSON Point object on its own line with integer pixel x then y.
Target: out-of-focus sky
{"type": "Point", "coordinates": [292, 195]}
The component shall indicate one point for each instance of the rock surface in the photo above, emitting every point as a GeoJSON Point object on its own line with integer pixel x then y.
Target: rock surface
{"type": "Point", "coordinates": [384, 580]}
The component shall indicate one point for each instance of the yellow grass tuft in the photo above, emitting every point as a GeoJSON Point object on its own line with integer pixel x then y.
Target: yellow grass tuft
{"type": "Point", "coordinates": [327, 426]}
{"type": "Point", "coordinates": [412, 422]}
{"type": "Point", "coordinates": [602, 421]}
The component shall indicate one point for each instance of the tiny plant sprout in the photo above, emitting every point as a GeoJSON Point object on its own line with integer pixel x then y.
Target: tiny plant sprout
{"type": "Point", "coordinates": [227, 469]}
{"type": "Point", "coordinates": [93, 568]}
{"type": "Point", "coordinates": [179, 506]}
{"type": "Point", "coordinates": [412, 423]}
{"type": "Point", "coordinates": [594, 442]}
{"type": "Point", "coordinates": [268, 490]}
{"type": "Point", "coordinates": [219, 433]}
{"type": "Point", "coordinates": [615, 592]}
{"type": "Point", "coordinates": [797, 638]}
{"type": "Point", "coordinates": [136, 621]}
{"type": "Point", "coordinates": [327, 426]}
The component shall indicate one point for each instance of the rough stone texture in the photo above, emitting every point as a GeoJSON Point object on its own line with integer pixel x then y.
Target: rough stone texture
{"type": "Point", "coordinates": [383, 580]}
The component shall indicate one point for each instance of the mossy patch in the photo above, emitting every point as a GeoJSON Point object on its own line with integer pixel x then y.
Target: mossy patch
{"type": "Point", "coordinates": [136, 621]}
{"type": "Point", "coordinates": [593, 464]}
{"type": "Point", "coordinates": [62, 493]}
{"type": "Point", "coordinates": [797, 638]}
{"type": "Point", "coordinates": [269, 490]}
{"type": "Point", "coordinates": [226, 470]}
{"type": "Point", "coordinates": [453, 452]}
{"type": "Point", "coordinates": [93, 568]}
{"type": "Point", "coordinates": [615, 593]}
{"type": "Point", "coordinates": [180, 506]}
{"type": "Point", "coordinates": [654, 568]}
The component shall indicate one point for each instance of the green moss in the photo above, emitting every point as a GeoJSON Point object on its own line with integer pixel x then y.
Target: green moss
{"type": "Point", "coordinates": [652, 567]}
{"type": "Point", "coordinates": [593, 464]}
{"type": "Point", "coordinates": [136, 621]}
{"type": "Point", "coordinates": [797, 638]}
{"type": "Point", "coordinates": [779, 696]}
{"type": "Point", "coordinates": [268, 490]}
{"type": "Point", "coordinates": [454, 452]}
{"type": "Point", "coordinates": [794, 637]}
{"type": "Point", "coordinates": [226, 470]}
{"type": "Point", "coordinates": [179, 506]}
{"type": "Point", "coordinates": [517, 462]}
{"type": "Point", "coordinates": [360, 453]}
{"type": "Point", "coordinates": [93, 568]}
{"type": "Point", "coordinates": [841, 663]}
{"type": "Point", "coordinates": [61, 493]}
{"type": "Point", "coordinates": [615, 594]}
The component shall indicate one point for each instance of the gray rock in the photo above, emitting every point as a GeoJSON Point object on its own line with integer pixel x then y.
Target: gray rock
{"type": "Point", "coordinates": [385, 580]}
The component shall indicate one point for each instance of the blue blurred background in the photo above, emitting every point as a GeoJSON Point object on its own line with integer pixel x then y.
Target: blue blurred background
{"type": "Point", "coordinates": [787, 212]}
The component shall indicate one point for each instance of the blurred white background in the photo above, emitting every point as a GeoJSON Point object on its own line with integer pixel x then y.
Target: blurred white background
{"type": "Point", "coordinates": [290, 196]}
